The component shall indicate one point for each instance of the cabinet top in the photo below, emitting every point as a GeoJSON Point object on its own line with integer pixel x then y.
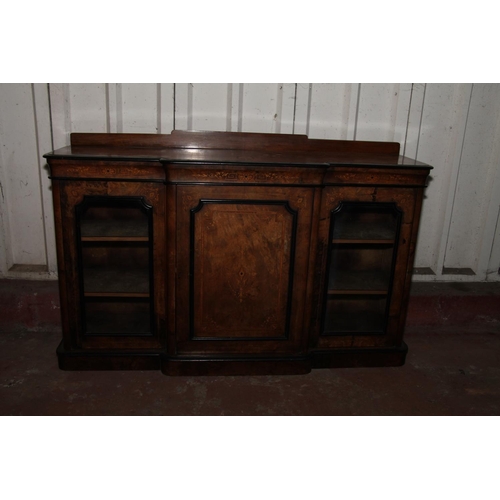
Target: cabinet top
{"type": "Point", "coordinates": [234, 148]}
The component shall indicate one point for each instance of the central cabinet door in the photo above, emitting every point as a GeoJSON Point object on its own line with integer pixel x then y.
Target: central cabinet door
{"type": "Point", "coordinates": [242, 262]}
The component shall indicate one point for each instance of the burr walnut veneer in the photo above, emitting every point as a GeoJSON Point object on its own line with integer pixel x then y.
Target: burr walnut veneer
{"type": "Point", "coordinates": [233, 253]}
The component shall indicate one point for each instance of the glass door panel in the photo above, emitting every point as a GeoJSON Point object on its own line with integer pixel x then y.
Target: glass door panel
{"type": "Point", "coordinates": [115, 268]}
{"type": "Point", "coordinates": [114, 223]}
{"type": "Point", "coordinates": [360, 267]}
{"type": "Point", "coordinates": [115, 254]}
{"type": "Point", "coordinates": [363, 222]}
{"type": "Point", "coordinates": [117, 316]}
{"type": "Point", "coordinates": [362, 251]}
{"type": "Point", "coordinates": [355, 314]}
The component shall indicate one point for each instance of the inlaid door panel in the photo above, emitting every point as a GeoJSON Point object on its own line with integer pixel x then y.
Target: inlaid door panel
{"type": "Point", "coordinates": [242, 265]}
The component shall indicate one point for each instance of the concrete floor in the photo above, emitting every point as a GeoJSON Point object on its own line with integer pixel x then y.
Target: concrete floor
{"type": "Point", "coordinates": [452, 368]}
{"type": "Point", "coordinates": [445, 374]}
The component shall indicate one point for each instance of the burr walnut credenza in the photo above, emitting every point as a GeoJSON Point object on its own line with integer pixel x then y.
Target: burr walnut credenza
{"type": "Point", "coordinates": [233, 253]}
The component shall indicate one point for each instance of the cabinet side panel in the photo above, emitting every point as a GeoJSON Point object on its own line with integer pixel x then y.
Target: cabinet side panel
{"type": "Point", "coordinates": [56, 194]}
{"type": "Point", "coordinates": [419, 195]}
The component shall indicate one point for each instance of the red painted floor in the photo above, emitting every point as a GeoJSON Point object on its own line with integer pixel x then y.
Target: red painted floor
{"type": "Point", "coordinates": [452, 368]}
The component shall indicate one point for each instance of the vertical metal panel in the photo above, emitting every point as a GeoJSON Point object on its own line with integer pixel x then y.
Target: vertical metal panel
{"type": "Point", "coordinates": [493, 266]}
{"type": "Point", "coordinates": [375, 113]}
{"type": "Point", "coordinates": [259, 110]}
{"type": "Point", "coordinates": [352, 116]}
{"type": "Point", "coordinates": [442, 130]}
{"type": "Point", "coordinates": [87, 102]}
{"type": "Point", "coordinates": [403, 97]}
{"type": "Point", "coordinates": [5, 243]}
{"type": "Point", "coordinates": [378, 113]}
{"type": "Point", "coordinates": [60, 114]}
{"type": "Point", "coordinates": [286, 110]}
{"type": "Point", "coordinates": [111, 107]}
{"type": "Point", "coordinates": [21, 175]}
{"type": "Point", "coordinates": [302, 108]}
{"type": "Point", "coordinates": [479, 163]}
{"type": "Point", "coordinates": [209, 106]}
{"type": "Point", "coordinates": [330, 114]}
{"type": "Point", "coordinates": [489, 260]}
{"type": "Point", "coordinates": [44, 144]}
{"type": "Point", "coordinates": [5, 236]}
{"type": "Point", "coordinates": [166, 108]}
{"type": "Point", "coordinates": [415, 109]}
{"type": "Point", "coordinates": [235, 95]}
{"type": "Point", "coordinates": [139, 107]}
{"type": "Point", "coordinates": [183, 103]}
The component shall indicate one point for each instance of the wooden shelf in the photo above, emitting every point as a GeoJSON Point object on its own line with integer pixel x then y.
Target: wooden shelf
{"type": "Point", "coordinates": [365, 322]}
{"type": "Point", "coordinates": [376, 233]}
{"type": "Point", "coordinates": [114, 230]}
{"type": "Point", "coordinates": [362, 242]}
{"type": "Point", "coordinates": [114, 238]}
{"type": "Point", "coordinates": [357, 292]}
{"type": "Point", "coordinates": [354, 282]}
{"type": "Point", "coordinates": [117, 294]}
{"type": "Point", "coordinates": [116, 282]}
{"type": "Point", "coordinates": [355, 315]}
{"type": "Point", "coordinates": [101, 322]}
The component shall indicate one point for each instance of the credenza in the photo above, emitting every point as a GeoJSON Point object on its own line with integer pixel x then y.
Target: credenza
{"type": "Point", "coordinates": [203, 253]}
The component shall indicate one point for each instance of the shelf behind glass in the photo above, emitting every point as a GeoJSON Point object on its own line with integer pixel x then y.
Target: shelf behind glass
{"type": "Point", "coordinates": [113, 281]}
{"type": "Point", "coordinates": [360, 269]}
{"type": "Point", "coordinates": [117, 317]}
{"type": "Point", "coordinates": [355, 314]}
{"type": "Point", "coordinates": [108, 230]}
{"type": "Point", "coordinates": [364, 224]}
{"type": "Point", "coordinates": [120, 271]}
{"type": "Point", "coordinates": [108, 223]}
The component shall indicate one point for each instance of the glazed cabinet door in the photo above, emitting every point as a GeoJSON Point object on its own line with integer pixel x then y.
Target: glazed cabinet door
{"type": "Point", "coordinates": [242, 263]}
{"type": "Point", "coordinates": [364, 266]}
{"type": "Point", "coordinates": [113, 233]}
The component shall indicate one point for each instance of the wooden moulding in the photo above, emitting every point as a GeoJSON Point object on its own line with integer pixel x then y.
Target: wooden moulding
{"type": "Point", "coordinates": [339, 358]}
{"type": "Point", "coordinates": [361, 357]}
{"type": "Point", "coordinates": [375, 176]}
{"type": "Point", "coordinates": [233, 140]}
{"type": "Point", "coordinates": [232, 366]}
{"type": "Point", "coordinates": [98, 169]}
{"type": "Point", "coordinates": [76, 360]}
{"type": "Point", "coordinates": [244, 174]}
{"type": "Point", "coordinates": [172, 366]}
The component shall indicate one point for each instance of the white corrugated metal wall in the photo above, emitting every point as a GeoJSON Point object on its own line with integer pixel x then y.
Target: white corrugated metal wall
{"type": "Point", "coordinates": [454, 127]}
